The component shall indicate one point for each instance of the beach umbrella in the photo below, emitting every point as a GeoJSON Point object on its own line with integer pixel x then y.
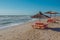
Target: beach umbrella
{"type": "Point", "coordinates": [40, 15]}
{"type": "Point", "coordinates": [50, 12]}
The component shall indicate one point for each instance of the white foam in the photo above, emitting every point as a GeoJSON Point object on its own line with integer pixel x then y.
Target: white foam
{"type": "Point", "coordinates": [11, 25]}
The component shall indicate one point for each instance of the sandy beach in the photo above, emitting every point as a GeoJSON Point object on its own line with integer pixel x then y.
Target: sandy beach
{"type": "Point", "coordinates": [26, 32]}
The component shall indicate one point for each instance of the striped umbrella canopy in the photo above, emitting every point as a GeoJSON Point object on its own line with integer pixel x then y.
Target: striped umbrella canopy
{"type": "Point", "coordinates": [51, 12]}
{"type": "Point", "coordinates": [40, 15]}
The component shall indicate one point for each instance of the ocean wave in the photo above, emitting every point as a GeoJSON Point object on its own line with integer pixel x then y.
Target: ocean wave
{"type": "Point", "coordinates": [9, 20]}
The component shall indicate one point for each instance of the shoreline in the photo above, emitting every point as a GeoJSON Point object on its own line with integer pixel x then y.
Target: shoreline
{"type": "Point", "coordinates": [13, 25]}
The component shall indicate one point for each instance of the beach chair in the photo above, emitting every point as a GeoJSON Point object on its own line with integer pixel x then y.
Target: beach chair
{"type": "Point", "coordinates": [52, 20]}
{"type": "Point", "coordinates": [39, 25]}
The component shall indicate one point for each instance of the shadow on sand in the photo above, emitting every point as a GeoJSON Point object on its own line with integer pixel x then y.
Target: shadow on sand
{"type": "Point", "coordinates": [54, 29]}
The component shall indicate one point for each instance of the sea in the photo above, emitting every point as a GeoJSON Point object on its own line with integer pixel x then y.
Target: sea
{"type": "Point", "coordinates": [12, 20]}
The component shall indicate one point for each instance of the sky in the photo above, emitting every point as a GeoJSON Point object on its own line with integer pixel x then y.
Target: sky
{"type": "Point", "coordinates": [28, 7]}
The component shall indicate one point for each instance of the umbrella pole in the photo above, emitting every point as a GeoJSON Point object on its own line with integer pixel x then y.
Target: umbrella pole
{"type": "Point", "coordinates": [50, 15]}
{"type": "Point", "coordinates": [55, 15]}
{"type": "Point", "coordinates": [39, 19]}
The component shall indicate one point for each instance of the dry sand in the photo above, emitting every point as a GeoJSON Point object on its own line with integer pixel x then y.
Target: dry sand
{"type": "Point", "coordinates": [26, 32]}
